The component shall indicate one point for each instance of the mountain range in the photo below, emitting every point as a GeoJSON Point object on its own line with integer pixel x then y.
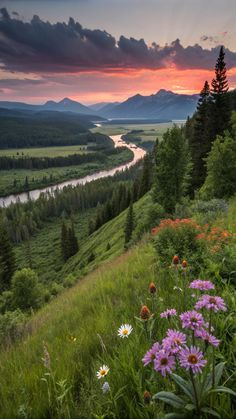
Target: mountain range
{"type": "Point", "coordinates": [163, 105]}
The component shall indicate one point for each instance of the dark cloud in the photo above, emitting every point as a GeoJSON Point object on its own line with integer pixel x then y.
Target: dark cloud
{"type": "Point", "coordinates": [42, 47]}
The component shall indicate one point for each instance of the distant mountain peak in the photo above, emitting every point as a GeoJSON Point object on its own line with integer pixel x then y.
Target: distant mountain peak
{"type": "Point", "coordinates": [164, 92]}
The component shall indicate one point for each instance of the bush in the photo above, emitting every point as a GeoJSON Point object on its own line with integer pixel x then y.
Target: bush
{"type": "Point", "coordinates": [69, 281]}
{"type": "Point", "coordinates": [11, 325]}
{"type": "Point", "coordinates": [176, 237]}
{"type": "Point", "coordinates": [25, 289]}
{"type": "Point", "coordinates": [150, 218]}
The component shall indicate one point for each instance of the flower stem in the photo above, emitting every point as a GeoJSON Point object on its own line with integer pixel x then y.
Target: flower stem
{"type": "Point", "coordinates": [195, 393]}
{"type": "Point", "coordinates": [213, 366]}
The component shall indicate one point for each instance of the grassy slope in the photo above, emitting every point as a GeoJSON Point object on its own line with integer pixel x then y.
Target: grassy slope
{"type": "Point", "coordinates": [45, 245]}
{"type": "Point", "coordinates": [65, 316]}
{"type": "Point", "coordinates": [95, 307]}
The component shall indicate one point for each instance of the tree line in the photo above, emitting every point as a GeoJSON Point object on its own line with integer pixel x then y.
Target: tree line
{"type": "Point", "coordinates": [29, 163]}
{"type": "Point", "coordinates": [22, 220]}
{"type": "Point", "coordinates": [200, 157]}
{"type": "Point", "coordinates": [22, 132]}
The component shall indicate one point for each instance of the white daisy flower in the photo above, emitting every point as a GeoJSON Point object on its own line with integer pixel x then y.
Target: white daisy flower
{"type": "Point", "coordinates": [103, 371]}
{"type": "Point", "coordinates": [124, 330]}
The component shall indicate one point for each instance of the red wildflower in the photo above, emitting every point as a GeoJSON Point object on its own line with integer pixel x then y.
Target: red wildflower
{"type": "Point", "coordinates": [175, 260]}
{"type": "Point", "coordinates": [152, 288]}
{"type": "Point", "coordinates": [145, 313]}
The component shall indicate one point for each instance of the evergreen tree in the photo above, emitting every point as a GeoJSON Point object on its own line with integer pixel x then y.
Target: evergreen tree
{"type": "Point", "coordinates": [172, 169]}
{"type": "Point", "coordinates": [146, 177]}
{"type": "Point", "coordinates": [221, 100]}
{"type": "Point", "coordinates": [7, 259]}
{"type": "Point", "coordinates": [74, 247]}
{"type": "Point", "coordinates": [64, 242]}
{"type": "Point", "coordinates": [200, 140]}
{"type": "Point", "coordinates": [221, 169]}
{"type": "Point", "coordinates": [129, 225]}
{"type": "Point", "coordinates": [26, 185]}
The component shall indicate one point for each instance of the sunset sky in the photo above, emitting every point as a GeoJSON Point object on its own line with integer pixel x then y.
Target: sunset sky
{"type": "Point", "coordinates": [107, 50]}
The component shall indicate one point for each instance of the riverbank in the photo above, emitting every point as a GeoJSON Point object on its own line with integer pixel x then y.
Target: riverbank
{"type": "Point", "coordinates": [138, 154]}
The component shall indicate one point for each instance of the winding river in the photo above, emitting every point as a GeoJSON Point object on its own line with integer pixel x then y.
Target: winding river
{"type": "Point", "coordinates": [138, 152]}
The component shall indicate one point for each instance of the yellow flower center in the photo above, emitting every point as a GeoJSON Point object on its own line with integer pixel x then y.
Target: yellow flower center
{"type": "Point", "coordinates": [103, 372]}
{"type": "Point", "coordinates": [177, 341]}
{"type": "Point", "coordinates": [125, 332]}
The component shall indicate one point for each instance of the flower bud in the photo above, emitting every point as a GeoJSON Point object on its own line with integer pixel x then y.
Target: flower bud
{"type": "Point", "coordinates": [152, 288]}
{"type": "Point", "coordinates": [175, 260]}
{"type": "Point", "coordinates": [145, 313]}
{"type": "Point", "coordinates": [147, 397]}
{"type": "Point", "coordinates": [184, 264]}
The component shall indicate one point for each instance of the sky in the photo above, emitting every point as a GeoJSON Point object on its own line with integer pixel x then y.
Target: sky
{"type": "Point", "coordinates": [108, 50]}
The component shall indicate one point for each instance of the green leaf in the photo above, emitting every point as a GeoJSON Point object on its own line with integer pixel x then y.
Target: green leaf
{"type": "Point", "coordinates": [218, 374]}
{"type": "Point", "coordinates": [211, 412]}
{"type": "Point", "coordinates": [184, 385]}
{"type": "Point", "coordinates": [189, 407]}
{"type": "Point", "coordinates": [170, 399]}
{"type": "Point", "coordinates": [175, 416]}
{"type": "Point", "coordinates": [223, 390]}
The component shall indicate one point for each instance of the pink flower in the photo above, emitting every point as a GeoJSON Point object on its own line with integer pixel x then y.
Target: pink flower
{"type": "Point", "coordinates": [192, 320]}
{"type": "Point", "coordinates": [192, 358]}
{"type": "Point", "coordinates": [174, 341]}
{"type": "Point", "coordinates": [151, 354]}
{"type": "Point", "coordinates": [202, 285]}
{"type": "Point", "coordinates": [207, 337]}
{"type": "Point", "coordinates": [211, 303]}
{"type": "Point", "coordinates": [168, 313]}
{"type": "Point", "coordinates": [164, 362]}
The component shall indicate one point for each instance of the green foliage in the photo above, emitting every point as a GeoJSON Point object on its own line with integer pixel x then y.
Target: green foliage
{"type": "Point", "coordinates": [221, 169]}
{"type": "Point", "coordinates": [69, 242]}
{"type": "Point", "coordinates": [26, 293]}
{"type": "Point", "coordinates": [12, 326]}
{"type": "Point", "coordinates": [129, 224]}
{"type": "Point", "coordinates": [179, 239]}
{"type": "Point", "coordinates": [200, 140]}
{"type": "Point", "coordinates": [7, 258]}
{"type": "Point", "coordinates": [172, 169]}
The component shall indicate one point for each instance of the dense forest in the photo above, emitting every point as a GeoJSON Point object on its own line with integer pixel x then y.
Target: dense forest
{"type": "Point", "coordinates": [45, 131]}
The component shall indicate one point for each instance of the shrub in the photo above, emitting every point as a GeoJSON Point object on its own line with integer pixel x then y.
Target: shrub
{"type": "Point", "coordinates": [11, 325]}
{"type": "Point", "coordinates": [25, 289]}
{"type": "Point", "coordinates": [176, 237]}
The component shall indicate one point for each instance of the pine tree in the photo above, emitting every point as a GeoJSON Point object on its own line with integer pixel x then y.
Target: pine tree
{"type": "Point", "coordinates": [221, 100]}
{"type": "Point", "coordinates": [172, 169]}
{"type": "Point", "coordinates": [200, 140]}
{"type": "Point", "coordinates": [73, 241]}
{"type": "Point", "coordinates": [7, 259]}
{"type": "Point", "coordinates": [129, 225]}
{"type": "Point", "coordinates": [64, 242]}
{"type": "Point", "coordinates": [146, 177]}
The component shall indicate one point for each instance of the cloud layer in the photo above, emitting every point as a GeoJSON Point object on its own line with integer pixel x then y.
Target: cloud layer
{"type": "Point", "coordinates": [42, 47]}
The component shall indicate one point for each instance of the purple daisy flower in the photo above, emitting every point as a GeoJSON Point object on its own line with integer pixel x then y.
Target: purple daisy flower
{"type": "Point", "coordinates": [174, 341]}
{"type": "Point", "coordinates": [192, 320]}
{"type": "Point", "coordinates": [211, 303]}
{"type": "Point", "coordinates": [164, 362]}
{"type": "Point", "coordinates": [168, 313]}
{"type": "Point", "coordinates": [151, 354]}
{"type": "Point", "coordinates": [207, 337]}
{"type": "Point", "coordinates": [201, 285]}
{"type": "Point", "coordinates": [192, 358]}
